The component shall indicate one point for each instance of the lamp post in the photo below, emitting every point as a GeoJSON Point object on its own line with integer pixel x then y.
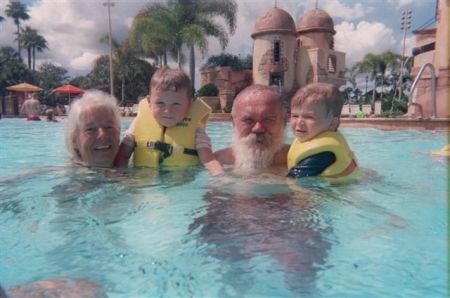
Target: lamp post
{"type": "Point", "coordinates": [365, 94]}
{"type": "Point", "coordinates": [111, 73]}
{"type": "Point", "coordinates": [367, 80]}
{"type": "Point", "coordinates": [406, 24]}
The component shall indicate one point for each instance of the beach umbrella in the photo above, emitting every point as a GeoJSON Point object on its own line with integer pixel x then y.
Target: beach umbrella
{"type": "Point", "coordinates": [68, 89]}
{"type": "Point", "coordinates": [24, 87]}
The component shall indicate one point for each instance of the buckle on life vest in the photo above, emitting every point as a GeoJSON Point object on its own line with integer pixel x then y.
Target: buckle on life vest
{"type": "Point", "coordinates": [163, 147]}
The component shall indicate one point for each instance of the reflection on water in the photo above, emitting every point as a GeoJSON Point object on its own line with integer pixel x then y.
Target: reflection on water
{"type": "Point", "coordinates": [284, 229]}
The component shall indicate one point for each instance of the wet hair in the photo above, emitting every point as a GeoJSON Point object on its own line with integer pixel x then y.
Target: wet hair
{"type": "Point", "coordinates": [256, 91]}
{"type": "Point", "coordinates": [167, 79]}
{"type": "Point", "coordinates": [90, 99]}
{"type": "Point", "coordinates": [321, 94]}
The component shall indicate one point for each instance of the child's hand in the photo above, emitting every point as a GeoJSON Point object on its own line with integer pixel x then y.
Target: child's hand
{"type": "Point", "coordinates": [201, 139]}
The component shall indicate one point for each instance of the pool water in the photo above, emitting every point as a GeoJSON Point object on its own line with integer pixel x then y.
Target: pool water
{"type": "Point", "coordinates": [181, 233]}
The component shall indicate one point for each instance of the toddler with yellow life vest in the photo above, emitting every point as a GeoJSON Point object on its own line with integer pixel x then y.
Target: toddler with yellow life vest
{"type": "Point", "coordinates": [164, 130]}
{"type": "Point", "coordinates": [319, 148]}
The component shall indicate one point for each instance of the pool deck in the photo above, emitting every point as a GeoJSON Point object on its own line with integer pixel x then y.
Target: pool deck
{"type": "Point", "coordinates": [436, 124]}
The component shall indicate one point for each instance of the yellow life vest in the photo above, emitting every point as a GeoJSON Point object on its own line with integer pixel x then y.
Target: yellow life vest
{"type": "Point", "coordinates": [332, 141]}
{"type": "Point", "coordinates": [445, 151]}
{"type": "Point", "coordinates": [169, 146]}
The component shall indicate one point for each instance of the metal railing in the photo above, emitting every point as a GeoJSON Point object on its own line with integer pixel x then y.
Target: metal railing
{"type": "Point", "coordinates": [433, 88]}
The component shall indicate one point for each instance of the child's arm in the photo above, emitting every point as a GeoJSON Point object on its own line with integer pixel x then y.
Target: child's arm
{"type": "Point", "coordinates": [122, 157]}
{"type": "Point", "coordinates": [313, 165]}
{"type": "Point", "coordinates": [126, 147]}
{"type": "Point", "coordinates": [205, 154]}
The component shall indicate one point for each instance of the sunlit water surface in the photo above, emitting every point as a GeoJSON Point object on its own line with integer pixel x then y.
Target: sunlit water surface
{"type": "Point", "coordinates": [181, 233]}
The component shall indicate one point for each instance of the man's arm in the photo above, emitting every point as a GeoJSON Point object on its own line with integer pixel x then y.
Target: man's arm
{"type": "Point", "coordinates": [313, 165]}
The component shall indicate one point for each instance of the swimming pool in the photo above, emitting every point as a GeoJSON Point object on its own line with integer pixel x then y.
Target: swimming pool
{"type": "Point", "coordinates": [179, 233]}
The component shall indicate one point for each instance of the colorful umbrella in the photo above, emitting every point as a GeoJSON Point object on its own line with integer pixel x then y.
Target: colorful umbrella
{"type": "Point", "coordinates": [24, 87]}
{"type": "Point", "coordinates": [68, 89]}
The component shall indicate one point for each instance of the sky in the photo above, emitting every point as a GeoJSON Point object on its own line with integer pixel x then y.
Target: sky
{"type": "Point", "coordinates": [73, 28]}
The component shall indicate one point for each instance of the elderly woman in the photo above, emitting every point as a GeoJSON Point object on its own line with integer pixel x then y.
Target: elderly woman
{"type": "Point", "coordinates": [93, 129]}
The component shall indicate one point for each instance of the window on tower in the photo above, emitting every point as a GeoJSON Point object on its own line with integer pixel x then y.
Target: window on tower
{"type": "Point", "coordinates": [331, 64]}
{"type": "Point", "coordinates": [276, 51]}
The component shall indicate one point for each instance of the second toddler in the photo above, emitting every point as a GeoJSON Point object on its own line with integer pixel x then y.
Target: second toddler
{"type": "Point", "coordinates": [319, 148]}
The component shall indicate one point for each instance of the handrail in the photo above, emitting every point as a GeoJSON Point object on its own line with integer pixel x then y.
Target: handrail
{"type": "Point", "coordinates": [433, 87]}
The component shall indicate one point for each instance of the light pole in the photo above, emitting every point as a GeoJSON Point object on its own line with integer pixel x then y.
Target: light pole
{"type": "Point", "coordinates": [406, 24]}
{"type": "Point", "coordinates": [111, 73]}
{"type": "Point", "coordinates": [365, 97]}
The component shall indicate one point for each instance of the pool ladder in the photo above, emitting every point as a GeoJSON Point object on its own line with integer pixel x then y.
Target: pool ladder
{"type": "Point", "coordinates": [433, 90]}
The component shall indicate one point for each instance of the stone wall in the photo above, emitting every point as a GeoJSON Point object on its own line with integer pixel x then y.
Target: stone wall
{"type": "Point", "coordinates": [229, 82]}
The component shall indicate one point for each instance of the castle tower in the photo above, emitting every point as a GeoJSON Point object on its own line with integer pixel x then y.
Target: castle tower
{"type": "Point", "coordinates": [274, 49]}
{"type": "Point", "coordinates": [317, 61]}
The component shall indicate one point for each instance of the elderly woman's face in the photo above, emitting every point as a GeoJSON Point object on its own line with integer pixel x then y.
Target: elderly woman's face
{"type": "Point", "coordinates": [97, 141]}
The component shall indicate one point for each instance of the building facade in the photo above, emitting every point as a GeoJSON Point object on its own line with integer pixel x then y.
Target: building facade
{"type": "Point", "coordinates": [291, 56]}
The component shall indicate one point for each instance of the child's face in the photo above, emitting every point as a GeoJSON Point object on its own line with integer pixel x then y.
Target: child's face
{"type": "Point", "coordinates": [311, 119]}
{"type": "Point", "coordinates": [169, 107]}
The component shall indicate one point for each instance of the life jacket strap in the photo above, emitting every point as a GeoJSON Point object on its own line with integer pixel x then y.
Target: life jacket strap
{"type": "Point", "coordinates": [167, 149]}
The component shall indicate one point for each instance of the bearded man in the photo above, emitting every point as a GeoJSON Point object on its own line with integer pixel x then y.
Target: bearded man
{"type": "Point", "coordinates": [258, 118]}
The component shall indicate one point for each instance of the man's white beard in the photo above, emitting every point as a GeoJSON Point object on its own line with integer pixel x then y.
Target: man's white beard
{"type": "Point", "coordinates": [255, 151]}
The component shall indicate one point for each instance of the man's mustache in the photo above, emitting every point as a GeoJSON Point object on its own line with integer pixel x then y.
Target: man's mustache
{"type": "Point", "coordinates": [260, 138]}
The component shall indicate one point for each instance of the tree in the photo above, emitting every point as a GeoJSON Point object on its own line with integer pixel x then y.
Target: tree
{"type": "Point", "coordinates": [39, 44]}
{"type": "Point", "coordinates": [352, 92]}
{"type": "Point", "coordinates": [17, 11]}
{"type": "Point", "coordinates": [25, 39]}
{"type": "Point", "coordinates": [124, 58]}
{"type": "Point", "coordinates": [50, 76]}
{"type": "Point", "coordinates": [81, 81]}
{"type": "Point", "coordinates": [377, 66]}
{"type": "Point", "coordinates": [198, 22]}
{"type": "Point", "coordinates": [135, 84]}
{"type": "Point", "coordinates": [154, 34]}
{"type": "Point", "coordinates": [13, 70]}
{"type": "Point", "coordinates": [166, 28]}
{"type": "Point", "coordinates": [224, 59]}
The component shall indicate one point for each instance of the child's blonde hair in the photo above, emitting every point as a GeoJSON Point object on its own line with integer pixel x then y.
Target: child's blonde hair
{"type": "Point", "coordinates": [166, 79]}
{"type": "Point", "coordinates": [320, 93]}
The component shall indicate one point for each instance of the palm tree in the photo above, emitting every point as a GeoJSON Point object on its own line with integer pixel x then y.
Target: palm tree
{"type": "Point", "coordinates": [155, 33]}
{"type": "Point", "coordinates": [32, 41]}
{"type": "Point", "coordinates": [165, 29]}
{"type": "Point", "coordinates": [124, 60]}
{"type": "Point", "coordinates": [377, 65]}
{"type": "Point", "coordinates": [26, 39]}
{"type": "Point", "coordinates": [17, 11]}
{"type": "Point", "coordinates": [39, 44]}
{"type": "Point", "coordinates": [352, 91]}
{"type": "Point", "coordinates": [198, 22]}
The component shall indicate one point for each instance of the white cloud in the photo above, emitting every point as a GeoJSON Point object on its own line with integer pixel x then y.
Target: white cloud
{"type": "Point", "coordinates": [73, 28]}
{"type": "Point", "coordinates": [338, 9]}
{"type": "Point", "coordinates": [357, 41]}
{"type": "Point", "coordinates": [401, 3]}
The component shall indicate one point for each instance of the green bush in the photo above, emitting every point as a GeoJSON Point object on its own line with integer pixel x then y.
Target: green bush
{"type": "Point", "coordinates": [233, 61]}
{"type": "Point", "coordinates": [228, 107]}
{"type": "Point", "coordinates": [207, 90]}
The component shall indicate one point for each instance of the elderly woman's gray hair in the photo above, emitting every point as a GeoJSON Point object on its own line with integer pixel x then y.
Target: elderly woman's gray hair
{"type": "Point", "coordinates": [90, 99]}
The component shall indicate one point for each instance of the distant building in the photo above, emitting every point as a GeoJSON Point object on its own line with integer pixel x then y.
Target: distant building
{"type": "Point", "coordinates": [285, 55]}
{"type": "Point", "coordinates": [433, 46]}
{"type": "Point", "coordinates": [292, 56]}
